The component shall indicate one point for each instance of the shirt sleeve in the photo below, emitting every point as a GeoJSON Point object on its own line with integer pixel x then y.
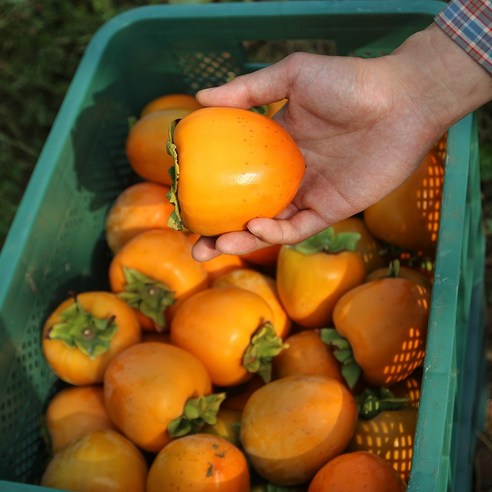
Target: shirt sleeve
{"type": "Point", "coordinates": [469, 24]}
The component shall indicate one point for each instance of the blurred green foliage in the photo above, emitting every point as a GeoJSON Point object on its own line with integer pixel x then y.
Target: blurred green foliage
{"type": "Point", "coordinates": [42, 43]}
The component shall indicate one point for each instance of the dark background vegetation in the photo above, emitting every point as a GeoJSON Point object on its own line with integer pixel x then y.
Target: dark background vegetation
{"type": "Point", "coordinates": [41, 43]}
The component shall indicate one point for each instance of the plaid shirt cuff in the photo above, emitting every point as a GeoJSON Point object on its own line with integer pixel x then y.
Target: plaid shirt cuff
{"type": "Point", "coordinates": [469, 24]}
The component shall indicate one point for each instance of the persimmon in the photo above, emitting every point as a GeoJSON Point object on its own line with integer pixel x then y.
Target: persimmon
{"type": "Point", "coordinates": [358, 471]}
{"type": "Point", "coordinates": [101, 461]}
{"type": "Point", "coordinates": [261, 284]}
{"type": "Point", "coordinates": [389, 434]}
{"type": "Point", "coordinates": [146, 144]}
{"type": "Point", "coordinates": [265, 257]}
{"type": "Point", "coordinates": [222, 264]}
{"type": "Point", "coordinates": [230, 331]}
{"type": "Point", "coordinates": [307, 354]}
{"type": "Point", "coordinates": [171, 101]}
{"type": "Point", "coordinates": [154, 271]}
{"type": "Point", "coordinates": [155, 392]}
{"type": "Point", "coordinates": [371, 248]}
{"type": "Point", "coordinates": [384, 322]}
{"type": "Point", "coordinates": [292, 426]}
{"type": "Point", "coordinates": [394, 269]}
{"type": "Point", "coordinates": [73, 412]}
{"type": "Point", "coordinates": [199, 463]}
{"type": "Point", "coordinates": [409, 216]}
{"type": "Point", "coordinates": [313, 275]}
{"type": "Point", "coordinates": [231, 165]}
{"type": "Point", "coordinates": [84, 333]}
{"type": "Point", "coordinates": [227, 425]}
{"type": "Point", "coordinates": [138, 208]}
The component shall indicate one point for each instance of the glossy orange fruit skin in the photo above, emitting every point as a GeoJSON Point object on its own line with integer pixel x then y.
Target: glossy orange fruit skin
{"type": "Point", "coordinates": [75, 411]}
{"type": "Point", "coordinates": [307, 355]}
{"type": "Point", "coordinates": [72, 365]}
{"type": "Point", "coordinates": [234, 165]}
{"type": "Point", "coordinates": [138, 208]}
{"type": "Point", "coordinates": [169, 101]}
{"type": "Point", "coordinates": [216, 326]}
{"type": "Point", "coordinates": [405, 272]}
{"type": "Point", "coordinates": [146, 387]}
{"type": "Point", "coordinates": [101, 461]}
{"type": "Point", "coordinates": [164, 255]}
{"type": "Point", "coordinates": [146, 144]}
{"type": "Point", "coordinates": [292, 426]}
{"type": "Point", "coordinates": [264, 257]}
{"type": "Point", "coordinates": [368, 246]}
{"type": "Point", "coordinates": [357, 472]}
{"type": "Point", "coordinates": [309, 285]}
{"type": "Point", "coordinates": [199, 463]}
{"type": "Point", "coordinates": [409, 216]}
{"type": "Point", "coordinates": [264, 286]}
{"type": "Point", "coordinates": [385, 322]}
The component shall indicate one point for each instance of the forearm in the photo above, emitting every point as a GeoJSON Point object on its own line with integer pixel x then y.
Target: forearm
{"type": "Point", "coordinates": [443, 80]}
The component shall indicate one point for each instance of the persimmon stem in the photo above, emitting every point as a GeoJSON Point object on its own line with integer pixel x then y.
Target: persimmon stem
{"type": "Point", "coordinates": [351, 371]}
{"type": "Point", "coordinates": [264, 346]}
{"type": "Point", "coordinates": [373, 401]}
{"type": "Point", "coordinates": [147, 295]}
{"type": "Point", "coordinates": [174, 221]}
{"type": "Point", "coordinates": [328, 241]}
{"type": "Point", "coordinates": [81, 329]}
{"type": "Point", "coordinates": [197, 412]}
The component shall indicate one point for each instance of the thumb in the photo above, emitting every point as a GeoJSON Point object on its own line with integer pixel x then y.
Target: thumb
{"type": "Point", "coordinates": [264, 86]}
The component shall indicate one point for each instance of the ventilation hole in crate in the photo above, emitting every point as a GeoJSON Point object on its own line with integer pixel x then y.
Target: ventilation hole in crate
{"type": "Point", "coordinates": [202, 70]}
{"type": "Point", "coordinates": [440, 147]}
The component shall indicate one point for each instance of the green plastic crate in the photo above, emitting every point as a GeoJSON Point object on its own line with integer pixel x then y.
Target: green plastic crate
{"type": "Point", "coordinates": [56, 241]}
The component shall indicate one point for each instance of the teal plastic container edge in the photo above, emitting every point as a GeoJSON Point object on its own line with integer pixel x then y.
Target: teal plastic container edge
{"type": "Point", "coordinates": [441, 394]}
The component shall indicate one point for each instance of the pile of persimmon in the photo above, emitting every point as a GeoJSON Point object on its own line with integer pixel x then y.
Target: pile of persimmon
{"type": "Point", "coordinates": [295, 366]}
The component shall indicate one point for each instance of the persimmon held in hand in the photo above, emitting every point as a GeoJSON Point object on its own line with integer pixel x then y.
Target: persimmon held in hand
{"type": "Point", "coordinates": [231, 165]}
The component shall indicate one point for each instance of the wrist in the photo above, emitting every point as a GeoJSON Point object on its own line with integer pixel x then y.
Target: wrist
{"type": "Point", "coordinates": [441, 80]}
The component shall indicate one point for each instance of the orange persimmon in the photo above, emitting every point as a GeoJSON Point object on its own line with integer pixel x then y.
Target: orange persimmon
{"type": "Point", "coordinates": [138, 208]}
{"type": "Point", "coordinates": [307, 354]}
{"type": "Point", "coordinates": [73, 412]}
{"type": "Point", "coordinates": [264, 286]}
{"type": "Point", "coordinates": [154, 271]}
{"type": "Point", "coordinates": [409, 216]}
{"type": "Point", "coordinates": [292, 426]}
{"type": "Point", "coordinates": [85, 332]}
{"type": "Point", "coordinates": [231, 165]}
{"type": "Point", "coordinates": [171, 101]}
{"type": "Point", "coordinates": [199, 463]}
{"type": "Point", "coordinates": [314, 274]}
{"type": "Point", "coordinates": [155, 392]}
{"type": "Point", "coordinates": [230, 331]}
{"type": "Point", "coordinates": [358, 471]}
{"type": "Point", "coordinates": [385, 323]}
{"type": "Point", "coordinates": [146, 144]}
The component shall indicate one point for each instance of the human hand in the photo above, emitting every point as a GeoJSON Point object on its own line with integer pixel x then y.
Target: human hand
{"type": "Point", "coordinates": [362, 125]}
